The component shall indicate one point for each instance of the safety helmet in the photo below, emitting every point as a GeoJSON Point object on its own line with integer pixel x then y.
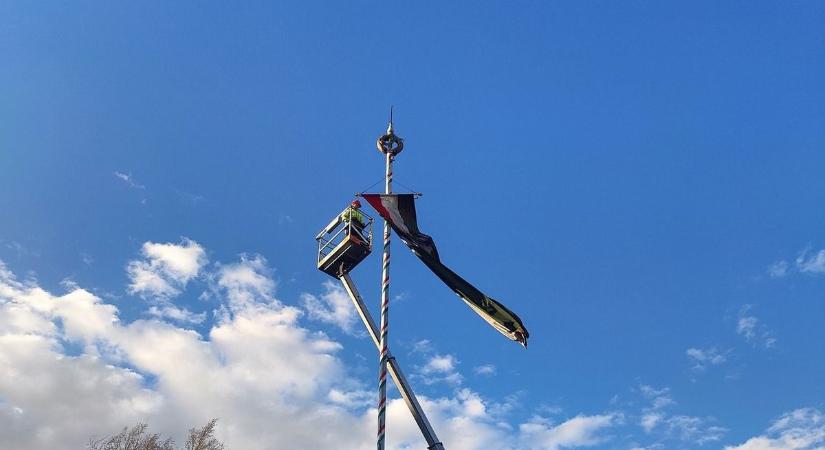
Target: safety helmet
{"type": "Point", "coordinates": [356, 204]}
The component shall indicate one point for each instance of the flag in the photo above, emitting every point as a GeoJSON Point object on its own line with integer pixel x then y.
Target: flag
{"type": "Point", "coordinates": [399, 211]}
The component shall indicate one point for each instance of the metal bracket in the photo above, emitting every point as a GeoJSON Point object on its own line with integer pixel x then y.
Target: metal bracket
{"type": "Point", "coordinates": [394, 368]}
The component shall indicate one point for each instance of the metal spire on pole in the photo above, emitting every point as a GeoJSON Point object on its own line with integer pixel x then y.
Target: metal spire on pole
{"type": "Point", "coordinates": [390, 145]}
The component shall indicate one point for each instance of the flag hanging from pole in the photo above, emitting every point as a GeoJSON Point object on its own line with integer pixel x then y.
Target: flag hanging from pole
{"type": "Point", "coordinates": [399, 211]}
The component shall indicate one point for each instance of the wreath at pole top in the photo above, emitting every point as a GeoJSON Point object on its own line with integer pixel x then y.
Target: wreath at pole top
{"type": "Point", "coordinates": [390, 143]}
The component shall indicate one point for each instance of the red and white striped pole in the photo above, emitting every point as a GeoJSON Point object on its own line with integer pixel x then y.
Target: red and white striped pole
{"type": "Point", "coordinates": [390, 145]}
{"type": "Point", "coordinates": [385, 309]}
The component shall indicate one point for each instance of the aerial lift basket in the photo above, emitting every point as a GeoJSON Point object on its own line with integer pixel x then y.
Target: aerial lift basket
{"type": "Point", "coordinates": [343, 244]}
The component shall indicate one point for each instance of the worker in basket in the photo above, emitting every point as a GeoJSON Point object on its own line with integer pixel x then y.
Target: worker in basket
{"type": "Point", "coordinates": [353, 217]}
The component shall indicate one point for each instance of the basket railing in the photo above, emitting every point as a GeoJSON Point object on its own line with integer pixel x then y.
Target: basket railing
{"type": "Point", "coordinates": [338, 229]}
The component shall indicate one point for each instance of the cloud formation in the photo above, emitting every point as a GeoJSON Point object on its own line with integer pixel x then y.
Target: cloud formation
{"type": "Point", "coordinates": [813, 264]}
{"type": "Point", "coordinates": [165, 269]}
{"type": "Point", "coordinates": [801, 429]}
{"type": "Point", "coordinates": [436, 368]}
{"type": "Point", "coordinates": [129, 180]}
{"type": "Point", "coordinates": [778, 269]}
{"type": "Point", "coordinates": [274, 382]}
{"type": "Point", "coordinates": [702, 358]}
{"type": "Point", "coordinates": [333, 307]}
{"type": "Point", "coordinates": [73, 369]}
{"type": "Point", "coordinates": [440, 368]}
{"type": "Point", "coordinates": [807, 262]}
{"type": "Point", "coordinates": [163, 272]}
{"type": "Point", "coordinates": [657, 420]}
{"type": "Point", "coordinates": [579, 431]}
{"type": "Point", "coordinates": [749, 327]}
{"type": "Point", "coordinates": [485, 369]}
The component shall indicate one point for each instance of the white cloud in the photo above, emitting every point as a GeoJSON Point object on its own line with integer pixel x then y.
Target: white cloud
{"type": "Point", "coordinates": [440, 364]}
{"type": "Point", "coordinates": [441, 368]}
{"type": "Point", "coordinates": [178, 314]}
{"type": "Point", "coordinates": [656, 418]}
{"type": "Point", "coordinates": [129, 180]}
{"type": "Point", "coordinates": [271, 381]}
{"type": "Point", "coordinates": [486, 369]}
{"type": "Point", "coordinates": [702, 358]}
{"type": "Point", "coordinates": [814, 264]}
{"type": "Point", "coordinates": [333, 306]}
{"type": "Point", "coordinates": [801, 429]}
{"type": "Point", "coordinates": [650, 420]}
{"type": "Point", "coordinates": [746, 326]}
{"type": "Point", "coordinates": [165, 268]}
{"type": "Point", "coordinates": [257, 368]}
{"type": "Point", "coordinates": [807, 262]}
{"type": "Point", "coordinates": [659, 398]}
{"type": "Point", "coordinates": [694, 429]}
{"type": "Point", "coordinates": [580, 431]}
{"type": "Point", "coordinates": [749, 327]}
{"type": "Point", "coordinates": [423, 346]}
{"type": "Point", "coordinates": [162, 274]}
{"type": "Point", "coordinates": [147, 281]}
{"type": "Point", "coordinates": [437, 368]}
{"type": "Point", "coordinates": [352, 399]}
{"type": "Point", "coordinates": [247, 283]}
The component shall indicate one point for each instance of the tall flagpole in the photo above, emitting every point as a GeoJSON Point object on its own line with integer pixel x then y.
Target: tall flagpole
{"type": "Point", "coordinates": [390, 145]}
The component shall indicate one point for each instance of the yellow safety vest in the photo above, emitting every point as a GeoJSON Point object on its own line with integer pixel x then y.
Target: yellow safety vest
{"type": "Point", "coordinates": [354, 215]}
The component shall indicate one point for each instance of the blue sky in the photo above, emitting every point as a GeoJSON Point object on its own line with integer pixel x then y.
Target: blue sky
{"type": "Point", "coordinates": [641, 182]}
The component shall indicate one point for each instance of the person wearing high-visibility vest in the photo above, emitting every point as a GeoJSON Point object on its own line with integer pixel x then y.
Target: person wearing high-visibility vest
{"type": "Point", "coordinates": [352, 215]}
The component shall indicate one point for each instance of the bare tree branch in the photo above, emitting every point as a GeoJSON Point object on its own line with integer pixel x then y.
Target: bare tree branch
{"type": "Point", "coordinates": [137, 438]}
{"type": "Point", "coordinates": [203, 438]}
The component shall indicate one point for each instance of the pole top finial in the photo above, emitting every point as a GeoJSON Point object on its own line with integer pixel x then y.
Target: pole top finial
{"type": "Point", "coordinates": [389, 143]}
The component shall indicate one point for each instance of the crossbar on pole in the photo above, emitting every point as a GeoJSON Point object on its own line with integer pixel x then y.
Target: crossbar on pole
{"type": "Point", "coordinates": [394, 368]}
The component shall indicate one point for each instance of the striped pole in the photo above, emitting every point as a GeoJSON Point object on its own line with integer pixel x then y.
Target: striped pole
{"type": "Point", "coordinates": [390, 145]}
{"type": "Point", "coordinates": [393, 367]}
{"type": "Point", "coordinates": [385, 309]}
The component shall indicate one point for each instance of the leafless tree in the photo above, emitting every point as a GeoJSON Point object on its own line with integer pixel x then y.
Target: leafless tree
{"type": "Point", "coordinates": [137, 438]}
{"type": "Point", "coordinates": [203, 438]}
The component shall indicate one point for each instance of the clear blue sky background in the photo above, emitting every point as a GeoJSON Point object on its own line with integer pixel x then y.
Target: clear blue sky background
{"type": "Point", "coordinates": [621, 174]}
